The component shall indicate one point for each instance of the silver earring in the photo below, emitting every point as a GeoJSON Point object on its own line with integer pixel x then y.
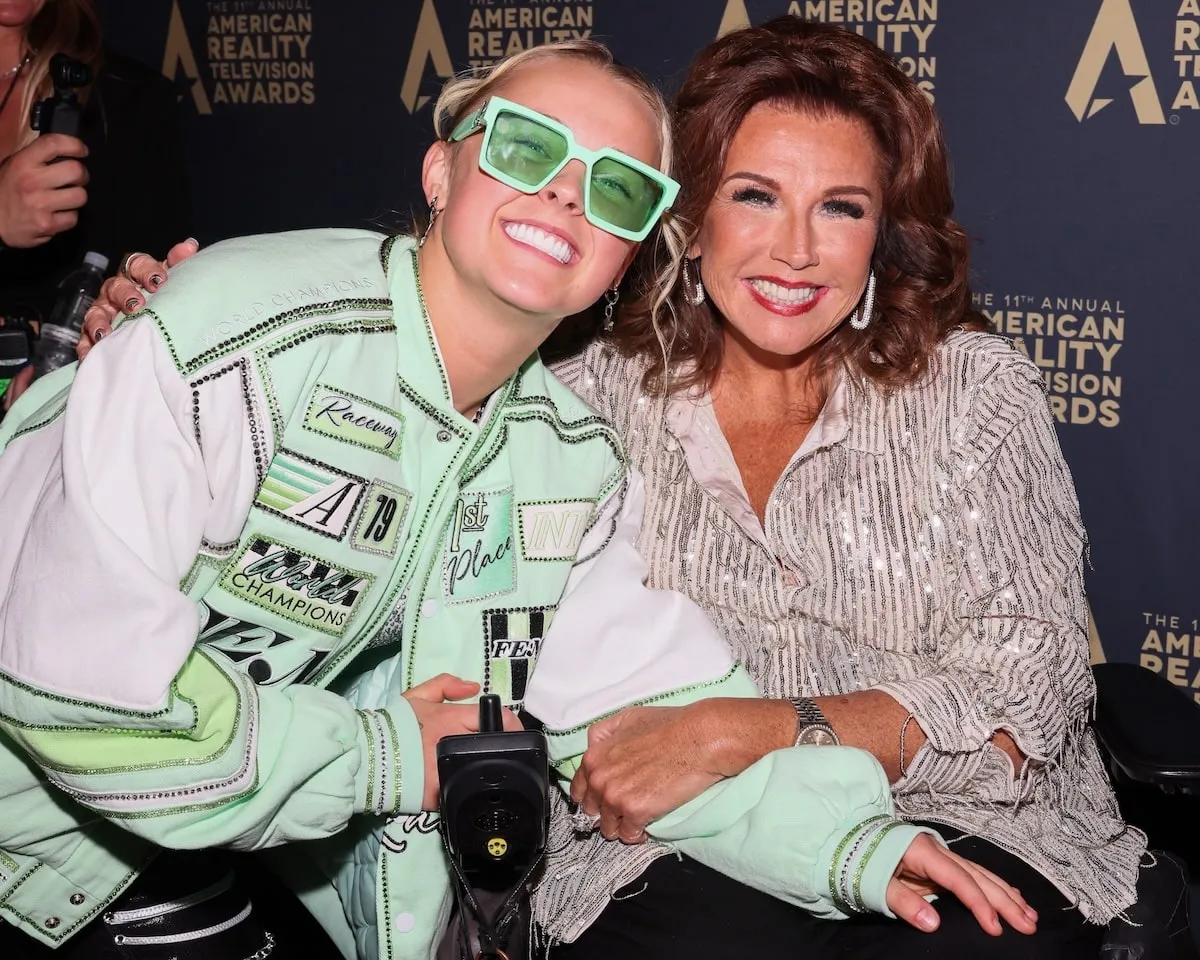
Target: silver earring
{"type": "Point", "coordinates": [433, 215]}
{"type": "Point", "coordinates": [860, 320]}
{"type": "Point", "coordinates": [693, 293]}
{"type": "Point", "coordinates": [611, 296]}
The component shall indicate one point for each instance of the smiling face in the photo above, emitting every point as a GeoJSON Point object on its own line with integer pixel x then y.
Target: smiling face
{"type": "Point", "coordinates": [18, 13]}
{"type": "Point", "coordinates": [537, 252]}
{"type": "Point", "coordinates": [786, 242]}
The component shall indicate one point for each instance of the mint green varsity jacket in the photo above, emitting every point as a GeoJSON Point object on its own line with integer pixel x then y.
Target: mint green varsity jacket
{"type": "Point", "coordinates": [240, 532]}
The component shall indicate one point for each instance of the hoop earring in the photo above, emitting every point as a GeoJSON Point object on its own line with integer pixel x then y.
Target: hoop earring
{"type": "Point", "coordinates": [611, 296]}
{"type": "Point", "coordinates": [860, 321]}
{"type": "Point", "coordinates": [693, 293]}
{"type": "Point", "coordinates": [433, 215]}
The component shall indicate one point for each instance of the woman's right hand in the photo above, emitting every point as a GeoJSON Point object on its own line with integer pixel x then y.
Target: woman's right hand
{"type": "Point", "coordinates": [928, 867]}
{"type": "Point", "coordinates": [126, 292]}
{"type": "Point", "coordinates": [40, 198]}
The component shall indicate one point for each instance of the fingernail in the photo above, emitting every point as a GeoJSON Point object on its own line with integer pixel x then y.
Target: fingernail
{"type": "Point", "coordinates": [131, 304]}
{"type": "Point", "coordinates": [99, 335]}
{"type": "Point", "coordinates": [193, 241]}
{"type": "Point", "coordinates": [926, 918]}
{"type": "Point", "coordinates": [154, 281]}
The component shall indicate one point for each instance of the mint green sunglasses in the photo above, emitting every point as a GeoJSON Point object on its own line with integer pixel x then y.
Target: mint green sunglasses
{"type": "Point", "coordinates": [525, 150]}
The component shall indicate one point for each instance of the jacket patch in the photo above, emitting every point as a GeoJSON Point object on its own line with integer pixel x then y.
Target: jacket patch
{"type": "Point", "coordinates": [343, 416]}
{"type": "Point", "coordinates": [479, 560]}
{"type": "Point", "coordinates": [296, 585]}
{"type": "Point", "coordinates": [310, 493]}
{"type": "Point", "coordinates": [266, 656]}
{"type": "Point", "coordinates": [553, 530]}
{"type": "Point", "coordinates": [381, 520]}
{"type": "Point", "coordinates": [512, 638]}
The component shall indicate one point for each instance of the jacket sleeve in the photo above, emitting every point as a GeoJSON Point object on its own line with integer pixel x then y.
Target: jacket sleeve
{"type": "Point", "coordinates": [1014, 653]}
{"type": "Point", "coordinates": [812, 826]}
{"type": "Point", "coordinates": [110, 490]}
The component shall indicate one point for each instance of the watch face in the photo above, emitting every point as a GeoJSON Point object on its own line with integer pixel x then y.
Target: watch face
{"type": "Point", "coordinates": [818, 736]}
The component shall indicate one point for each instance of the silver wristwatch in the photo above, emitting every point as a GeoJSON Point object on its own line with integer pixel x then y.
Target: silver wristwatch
{"type": "Point", "coordinates": [812, 727]}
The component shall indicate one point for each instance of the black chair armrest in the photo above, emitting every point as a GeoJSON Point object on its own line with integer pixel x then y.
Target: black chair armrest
{"type": "Point", "coordinates": [1149, 727]}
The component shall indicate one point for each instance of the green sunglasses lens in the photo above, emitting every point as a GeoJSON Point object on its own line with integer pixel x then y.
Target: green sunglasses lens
{"type": "Point", "coordinates": [623, 196]}
{"type": "Point", "coordinates": [524, 149]}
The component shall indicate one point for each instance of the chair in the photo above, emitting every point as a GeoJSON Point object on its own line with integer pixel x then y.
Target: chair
{"type": "Point", "coordinates": [1149, 731]}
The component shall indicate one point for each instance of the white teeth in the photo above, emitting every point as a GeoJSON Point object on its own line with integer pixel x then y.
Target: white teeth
{"type": "Point", "coordinates": [785, 295]}
{"type": "Point", "coordinates": [531, 236]}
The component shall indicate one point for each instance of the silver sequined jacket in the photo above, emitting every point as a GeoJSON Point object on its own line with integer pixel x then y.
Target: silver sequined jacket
{"type": "Point", "coordinates": [926, 543]}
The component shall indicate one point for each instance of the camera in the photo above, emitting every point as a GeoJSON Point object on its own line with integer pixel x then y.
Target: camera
{"type": "Point", "coordinates": [495, 807]}
{"type": "Point", "coordinates": [61, 112]}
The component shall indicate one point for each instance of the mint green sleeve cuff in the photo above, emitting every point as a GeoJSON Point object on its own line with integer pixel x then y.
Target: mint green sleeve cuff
{"type": "Point", "coordinates": [862, 861]}
{"type": "Point", "coordinates": [392, 776]}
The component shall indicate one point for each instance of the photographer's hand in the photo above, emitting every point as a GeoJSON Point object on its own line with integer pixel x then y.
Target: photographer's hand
{"type": "Point", "coordinates": [441, 719]}
{"type": "Point", "coordinates": [38, 198]}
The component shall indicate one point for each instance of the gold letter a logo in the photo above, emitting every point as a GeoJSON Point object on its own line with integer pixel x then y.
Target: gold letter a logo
{"type": "Point", "coordinates": [178, 53]}
{"type": "Point", "coordinates": [1114, 29]}
{"type": "Point", "coordinates": [429, 42]}
{"type": "Point", "coordinates": [734, 18]}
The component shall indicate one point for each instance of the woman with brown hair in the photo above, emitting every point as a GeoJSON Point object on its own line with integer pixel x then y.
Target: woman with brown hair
{"type": "Point", "coordinates": [867, 496]}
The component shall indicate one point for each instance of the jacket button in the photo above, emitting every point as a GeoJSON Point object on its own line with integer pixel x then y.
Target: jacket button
{"type": "Point", "coordinates": [443, 436]}
{"type": "Point", "coordinates": [429, 607]}
{"type": "Point", "coordinates": [77, 899]}
{"type": "Point", "coordinates": [52, 922]}
{"type": "Point", "coordinates": [405, 922]}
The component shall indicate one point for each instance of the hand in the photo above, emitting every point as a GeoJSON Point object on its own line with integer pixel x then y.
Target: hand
{"type": "Point", "coordinates": [927, 867]}
{"type": "Point", "coordinates": [17, 386]}
{"type": "Point", "coordinates": [125, 294]}
{"type": "Point", "coordinates": [39, 199]}
{"type": "Point", "coordinates": [642, 763]}
{"type": "Point", "coordinates": [438, 719]}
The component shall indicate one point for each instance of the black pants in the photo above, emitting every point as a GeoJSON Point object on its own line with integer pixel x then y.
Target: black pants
{"type": "Point", "coordinates": [687, 910]}
{"type": "Point", "coordinates": [207, 892]}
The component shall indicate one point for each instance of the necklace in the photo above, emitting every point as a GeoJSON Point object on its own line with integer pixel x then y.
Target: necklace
{"type": "Point", "coordinates": [15, 73]}
{"type": "Point", "coordinates": [16, 68]}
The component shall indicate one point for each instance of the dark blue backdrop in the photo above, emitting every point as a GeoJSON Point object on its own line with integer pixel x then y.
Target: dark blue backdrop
{"type": "Point", "coordinates": [1075, 133]}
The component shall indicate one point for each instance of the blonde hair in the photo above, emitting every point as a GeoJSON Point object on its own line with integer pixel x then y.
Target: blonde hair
{"type": "Point", "coordinates": [61, 26]}
{"type": "Point", "coordinates": [467, 91]}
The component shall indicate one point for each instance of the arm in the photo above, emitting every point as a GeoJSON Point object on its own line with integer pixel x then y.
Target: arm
{"type": "Point", "coordinates": [1014, 670]}
{"type": "Point", "coordinates": [798, 824]}
{"type": "Point", "coordinates": [100, 680]}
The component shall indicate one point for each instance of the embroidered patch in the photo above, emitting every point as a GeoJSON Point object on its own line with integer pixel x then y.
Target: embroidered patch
{"type": "Point", "coordinates": [310, 493]}
{"type": "Point", "coordinates": [479, 560]}
{"type": "Point", "coordinates": [296, 585]}
{"type": "Point", "coordinates": [553, 530]}
{"type": "Point", "coordinates": [382, 519]}
{"type": "Point", "coordinates": [266, 656]}
{"type": "Point", "coordinates": [343, 416]}
{"type": "Point", "coordinates": [512, 638]}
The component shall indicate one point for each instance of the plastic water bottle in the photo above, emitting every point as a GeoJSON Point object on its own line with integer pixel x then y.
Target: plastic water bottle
{"type": "Point", "coordinates": [56, 342]}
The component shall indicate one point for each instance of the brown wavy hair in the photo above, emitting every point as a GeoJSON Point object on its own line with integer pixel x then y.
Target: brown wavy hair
{"type": "Point", "coordinates": [921, 254]}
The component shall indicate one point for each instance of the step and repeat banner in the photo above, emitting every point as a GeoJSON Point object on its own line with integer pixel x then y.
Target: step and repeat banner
{"type": "Point", "coordinates": [1074, 130]}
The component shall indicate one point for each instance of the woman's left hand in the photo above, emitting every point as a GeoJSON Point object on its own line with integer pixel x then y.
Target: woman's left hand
{"type": "Point", "coordinates": [927, 866]}
{"type": "Point", "coordinates": [644, 762]}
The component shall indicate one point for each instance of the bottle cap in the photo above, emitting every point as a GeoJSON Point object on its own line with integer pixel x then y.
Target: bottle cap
{"type": "Point", "coordinates": [97, 260]}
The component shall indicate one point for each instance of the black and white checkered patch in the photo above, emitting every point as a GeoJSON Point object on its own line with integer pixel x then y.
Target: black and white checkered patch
{"type": "Point", "coordinates": [512, 638]}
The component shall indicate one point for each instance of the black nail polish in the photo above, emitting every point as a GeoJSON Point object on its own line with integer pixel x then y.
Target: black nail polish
{"type": "Point", "coordinates": [155, 281]}
{"type": "Point", "coordinates": [98, 336]}
{"type": "Point", "coordinates": [131, 304]}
